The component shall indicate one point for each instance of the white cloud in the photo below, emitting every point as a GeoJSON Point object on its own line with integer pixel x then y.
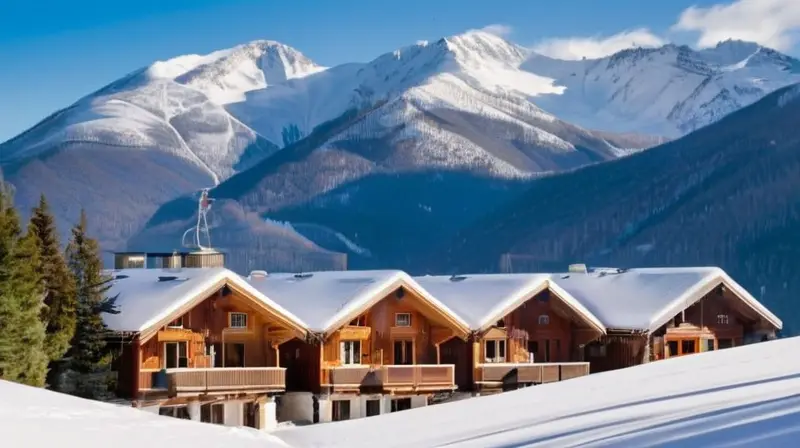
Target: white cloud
{"type": "Point", "coordinates": [498, 29]}
{"type": "Point", "coordinates": [772, 23]}
{"type": "Point", "coordinates": [598, 46]}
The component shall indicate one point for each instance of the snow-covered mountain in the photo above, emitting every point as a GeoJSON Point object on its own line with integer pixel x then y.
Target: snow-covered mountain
{"type": "Point", "coordinates": [472, 103]}
{"type": "Point", "coordinates": [669, 91]}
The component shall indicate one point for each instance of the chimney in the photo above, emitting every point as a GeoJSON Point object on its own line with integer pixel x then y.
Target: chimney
{"type": "Point", "coordinates": [258, 274]}
{"type": "Point", "coordinates": [578, 268]}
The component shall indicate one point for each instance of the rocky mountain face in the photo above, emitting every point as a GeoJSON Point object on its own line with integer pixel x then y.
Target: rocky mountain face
{"type": "Point", "coordinates": [726, 195]}
{"type": "Point", "coordinates": [416, 143]}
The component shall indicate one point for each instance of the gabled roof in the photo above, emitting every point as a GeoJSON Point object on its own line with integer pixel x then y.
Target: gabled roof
{"type": "Point", "coordinates": [144, 301]}
{"type": "Point", "coordinates": [483, 299]}
{"type": "Point", "coordinates": [646, 299]}
{"type": "Point", "coordinates": [327, 300]}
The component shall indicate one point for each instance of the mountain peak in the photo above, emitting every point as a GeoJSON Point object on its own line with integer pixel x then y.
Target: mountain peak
{"type": "Point", "coordinates": [226, 75]}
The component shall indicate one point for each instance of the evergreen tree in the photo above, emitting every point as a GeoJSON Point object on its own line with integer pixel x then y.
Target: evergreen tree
{"type": "Point", "coordinates": [22, 334]}
{"type": "Point", "coordinates": [60, 300]}
{"type": "Point", "coordinates": [89, 358]}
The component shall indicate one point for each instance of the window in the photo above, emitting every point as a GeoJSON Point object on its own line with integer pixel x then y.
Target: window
{"type": "Point", "coordinates": [722, 319]}
{"type": "Point", "coordinates": [672, 348]}
{"type": "Point", "coordinates": [724, 343]}
{"type": "Point", "coordinates": [544, 319]}
{"type": "Point", "coordinates": [351, 352]}
{"type": "Point", "coordinates": [496, 350]}
{"type": "Point", "coordinates": [177, 323]}
{"type": "Point", "coordinates": [373, 407]}
{"type": "Point", "coordinates": [403, 353]}
{"type": "Point", "coordinates": [709, 345]}
{"type": "Point", "coordinates": [597, 350]}
{"type": "Point", "coordinates": [181, 412]}
{"type": "Point", "coordinates": [237, 320]}
{"type": "Point", "coordinates": [401, 404]}
{"type": "Point", "coordinates": [234, 355]}
{"type": "Point", "coordinates": [213, 413]}
{"type": "Point", "coordinates": [533, 351]}
{"type": "Point", "coordinates": [687, 346]}
{"type": "Point", "coordinates": [402, 320]}
{"type": "Point", "coordinates": [360, 321]}
{"type": "Point", "coordinates": [175, 355]}
{"type": "Point", "coordinates": [341, 410]}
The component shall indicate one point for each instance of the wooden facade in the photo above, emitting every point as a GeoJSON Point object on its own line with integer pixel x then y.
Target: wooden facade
{"type": "Point", "coordinates": [540, 341]}
{"type": "Point", "coordinates": [393, 347]}
{"type": "Point", "coordinates": [719, 320]}
{"type": "Point", "coordinates": [223, 343]}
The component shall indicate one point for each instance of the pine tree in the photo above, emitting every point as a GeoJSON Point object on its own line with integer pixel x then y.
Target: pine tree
{"type": "Point", "coordinates": [89, 358]}
{"type": "Point", "coordinates": [22, 334]}
{"type": "Point", "coordinates": [60, 297]}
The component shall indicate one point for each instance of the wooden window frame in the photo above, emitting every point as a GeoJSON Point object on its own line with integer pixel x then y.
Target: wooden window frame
{"type": "Point", "coordinates": [238, 313]}
{"type": "Point", "coordinates": [352, 343]}
{"type": "Point", "coordinates": [177, 354]}
{"type": "Point", "coordinates": [169, 325]}
{"type": "Point", "coordinates": [496, 359]}
{"type": "Point", "coordinates": [397, 320]}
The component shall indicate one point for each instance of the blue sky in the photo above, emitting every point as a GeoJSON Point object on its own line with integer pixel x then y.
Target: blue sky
{"type": "Point", "coordinates": [55, 51]}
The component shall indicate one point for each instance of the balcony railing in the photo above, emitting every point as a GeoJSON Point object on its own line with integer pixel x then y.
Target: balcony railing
{"type": "Point", "coordinates": [420, 376]}
{"type": "Point", "coordinates": [220, 379]}
{"type": "Point", "coordinates": [538, 373]}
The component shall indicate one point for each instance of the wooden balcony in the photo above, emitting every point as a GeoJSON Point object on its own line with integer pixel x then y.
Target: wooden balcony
{"type": "Point", "coordinates": [406, 377]}
{"type": "Point", "coordinates": [535, 373]}
{"type": "Point", "coordinates": [224, 379]}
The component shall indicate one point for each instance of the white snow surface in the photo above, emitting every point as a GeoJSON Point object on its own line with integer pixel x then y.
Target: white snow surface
{"type": "Point", "coordinates": [143, 300]}
{"type": "Point", "coordinates": [328, 299]}
{"type": "Point", "coordinates": [646, 298]}
{"type": "Point", "coordinates": [35, 418]}
{"type": "Point", "coordinates": [739, 397]}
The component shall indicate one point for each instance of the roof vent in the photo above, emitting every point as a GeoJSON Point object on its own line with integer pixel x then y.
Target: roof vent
{"type": "Point", "coordinates": [303, 275]}
{"type": "Point", "coordinates": [457, 278]}
{"type": "Point", "coordinates": [258, 274]}
{"type": "Point", "coordinates": [579, 268]}
{"type": "Point", "coordinates": [167, 278]}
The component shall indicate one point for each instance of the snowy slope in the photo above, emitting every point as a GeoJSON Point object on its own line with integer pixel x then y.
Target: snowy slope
{"type": "Point", "coordinates": [33, 418]}
{"type": "Point", "coordinates": [669, 91]}
{"type": "Point", "coordinates": [176, 106]}
{"type": "Point", "coordinates": [744, 396]}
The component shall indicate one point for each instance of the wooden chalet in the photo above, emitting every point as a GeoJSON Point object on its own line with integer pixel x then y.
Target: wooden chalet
{"type": "Point", "coordinates": [378, 343]}
{"type": "Point", "coordinates": [658, 313]}
{"type": "Point", "coordinates": [525, 331]}
{"type": "Point", "coordinates": [200, 344]}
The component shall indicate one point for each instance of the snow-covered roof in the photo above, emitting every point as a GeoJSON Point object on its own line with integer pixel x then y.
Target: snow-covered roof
{"type": "Point", "coordinates": [646, 299]}
{"type": "Point", "coordinates": [143, 300]}
{"type": "Point", "coordinates": [328, 299]}
{"type": "Point", "coordinates": [482, 299]}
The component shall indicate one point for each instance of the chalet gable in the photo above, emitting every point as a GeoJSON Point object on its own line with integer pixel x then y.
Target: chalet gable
{"type": "Point", "coordinates": [330, 300]}
{"type": "Point", "coordinates": [646, 299]}
{"type": "Point", "coordinates": [150, 299]}
{"type": "Point", "coordinates": [484, 299]}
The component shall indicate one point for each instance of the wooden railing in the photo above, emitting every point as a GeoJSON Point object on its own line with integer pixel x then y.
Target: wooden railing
{"type": "Point", "coordinates": [226, 379]}
{"type": "Point", "coordinates": [420, 376]}
{"type": "Point", "coordinates": [538, 373]}
{"type": "Point", "coordinates": [146, 379]}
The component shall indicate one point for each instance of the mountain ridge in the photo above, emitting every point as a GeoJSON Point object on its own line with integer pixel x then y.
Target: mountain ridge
{"type": "Point", "coordinates": [472, 108]}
